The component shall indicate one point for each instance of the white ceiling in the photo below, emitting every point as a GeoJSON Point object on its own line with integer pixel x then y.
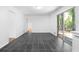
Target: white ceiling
{"type": "Point", "coordinates": [30, 10]}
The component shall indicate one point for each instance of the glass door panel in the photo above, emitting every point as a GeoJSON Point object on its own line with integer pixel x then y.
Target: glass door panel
{"type": "Point", "coordinates": [60, 25]}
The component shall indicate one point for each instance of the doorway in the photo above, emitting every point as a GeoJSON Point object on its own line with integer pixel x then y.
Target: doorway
{"type": "Point", "coordinates": [65, 26]}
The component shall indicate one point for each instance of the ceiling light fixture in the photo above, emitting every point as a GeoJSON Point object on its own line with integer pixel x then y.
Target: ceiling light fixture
{"type": "Point", "coordinates": [38, 7]}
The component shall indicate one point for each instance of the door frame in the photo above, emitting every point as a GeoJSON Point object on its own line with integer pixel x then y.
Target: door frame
{"type": "Point", "coordinates": [63, 20]}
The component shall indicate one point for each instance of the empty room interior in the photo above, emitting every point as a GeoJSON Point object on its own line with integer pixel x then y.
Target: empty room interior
{"type": "Point", "coordinates": [39, 29]}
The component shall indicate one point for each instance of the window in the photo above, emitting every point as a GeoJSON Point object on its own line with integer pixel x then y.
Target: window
{"type": "Point", "coordinates": [66, 23]}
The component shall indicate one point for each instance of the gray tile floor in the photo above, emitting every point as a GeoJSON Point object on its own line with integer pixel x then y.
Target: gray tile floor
{"type": "Point", "coordinates": [35, 42]}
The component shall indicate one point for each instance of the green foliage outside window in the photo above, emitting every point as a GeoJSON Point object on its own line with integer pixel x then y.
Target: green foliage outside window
{"type": "Point", "coordinates": [68, 24]}
{"type": "Point", "coordinates": [69, 21]}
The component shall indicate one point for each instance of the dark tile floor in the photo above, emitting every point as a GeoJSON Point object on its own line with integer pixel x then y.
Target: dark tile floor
{"type": "Point", "coordinates": [35, 42]}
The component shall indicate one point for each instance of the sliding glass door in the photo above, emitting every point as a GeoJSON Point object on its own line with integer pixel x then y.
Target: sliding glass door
{"type": "Point", "coordinates": [69, 22]}
{"type": "Point", "coordinates": [60, 25]}
{"type": "Point", "coordinates": [65, 23]}
{"type": "Point", "coordinates": [65, 26]}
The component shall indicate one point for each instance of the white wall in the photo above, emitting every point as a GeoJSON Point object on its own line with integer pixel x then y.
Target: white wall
{"type": "Point", "coordinates": [40, 24]}
{"type": "Point", "coordinates": [19, 23]}
{"type": "Point", "coordinates": [75, 42]}
{"type": "Point", "coordinates": [12, 24]}
{"type": "Point", "coordinates": [77, 18]}
{"type": "Point", "coordinates": [53, 17]}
